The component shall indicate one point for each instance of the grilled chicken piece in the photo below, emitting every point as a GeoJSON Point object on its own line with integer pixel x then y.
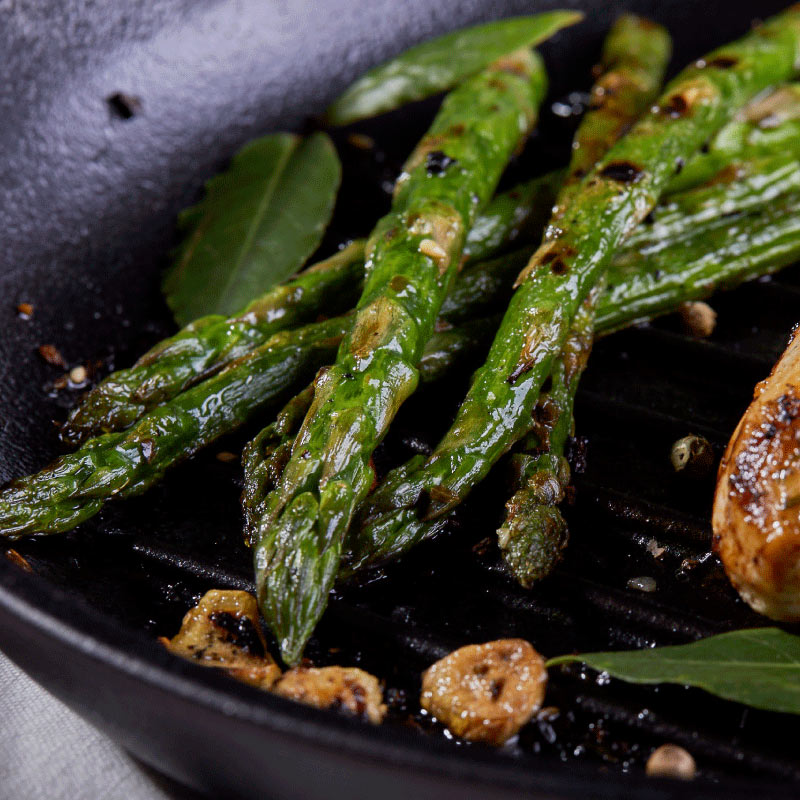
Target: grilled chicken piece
{"type": "Point", "coordinates": [345, 688]}
{"type": "Point", "coordinates": [756, 517]}
{"type": "Point", "coordinates": [223, 630]}
{"type": "Point", "coordinates": [486, 692]}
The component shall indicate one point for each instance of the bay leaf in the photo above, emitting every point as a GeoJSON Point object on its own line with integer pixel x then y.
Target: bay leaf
{"type": "Point", "coordinates": [441, 63]}
{"type": "Point", "coordinates": [759, 667]}
{"type": "Point", "coordinates": [256, 225]}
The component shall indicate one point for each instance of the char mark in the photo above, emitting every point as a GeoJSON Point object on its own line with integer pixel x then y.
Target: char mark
{"type": "Point", "coordinates": [437, 162]}
{"type": "Point", "coordinates": [676, 107]}
{"type": "Point", "coordinates": [241, 631]}
{"type": "Point", "coordinates": [722, 62]}
{"type": "Point", "coordinates": [623, 172]}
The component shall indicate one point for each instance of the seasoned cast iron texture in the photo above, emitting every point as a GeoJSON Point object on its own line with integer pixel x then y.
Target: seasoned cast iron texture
{"type": "Point", "coordinates": [113, 115]}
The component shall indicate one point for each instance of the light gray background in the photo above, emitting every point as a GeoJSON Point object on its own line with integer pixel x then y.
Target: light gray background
{"type": "Point", "coordinates": [49, 753]}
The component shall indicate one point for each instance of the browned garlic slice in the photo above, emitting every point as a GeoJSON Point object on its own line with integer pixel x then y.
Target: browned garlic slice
{"type": "Point", "coordinates": [486, 692]}
{"type": "Point", "coordinates": [346, 688]}
{"type": "Point", "coordinates": [223, 630]}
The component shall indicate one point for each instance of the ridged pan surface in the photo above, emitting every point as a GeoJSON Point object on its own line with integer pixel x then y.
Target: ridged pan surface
{"type": "Point", "coordinates": [90, 185]}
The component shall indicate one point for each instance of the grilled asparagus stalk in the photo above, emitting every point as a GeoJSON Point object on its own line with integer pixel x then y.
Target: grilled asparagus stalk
{"type": "Point", "coordinates": [413, 255]}
{"type": "Point", "coordinates": [125, 463]}
{"type": "Point", "coordinates": [208, 344]}
{"type": "Point", "coordinates": [265, 456]}
{"type": "Point", "coordinates": [534, 534]}
{"type": "Point", "coordinates": [640, 286]}
{"type": "Point", "coordinates": [611, 201]}
{"type": "Point", "coordinates": [8, 512]}
{"type": "Point", "coordinates": [76, 486]}
{"type": "Point", "coordinates": [769, 127]}
{"type": "Point", "coordinates": [634, 58]}
{"type": "Point", "coordinates": [331, 286]}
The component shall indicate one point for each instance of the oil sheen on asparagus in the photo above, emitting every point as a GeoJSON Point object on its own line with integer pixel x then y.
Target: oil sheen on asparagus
{"type": "Point", "coordinates": [770, 126]}
{"type": "Point", "coordinates": [35, 504]}
{"type": "Point", "coordinates": [534, 534]}
{"type": "Point", "coordinates": [721, 253]}
{"type": "Point", "coordinates": [412, 257]}
{"type": "Point", "coordinates": [640, 286]}
{"type": "Point", "coordinates": [610, 202]}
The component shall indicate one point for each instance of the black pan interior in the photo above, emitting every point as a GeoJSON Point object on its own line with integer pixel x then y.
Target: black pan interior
{"type": "Point", "coordinates": [113, 117]}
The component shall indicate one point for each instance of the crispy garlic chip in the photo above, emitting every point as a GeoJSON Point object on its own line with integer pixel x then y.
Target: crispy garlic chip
{"type": "Point", "coordinates": [486, 692]}
{"type": "Point", "coordinates": [346, 688]}
{"type": "Point", "coordinates": [223, 630]}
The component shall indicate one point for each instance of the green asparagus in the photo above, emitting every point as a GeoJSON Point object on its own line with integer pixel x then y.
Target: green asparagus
{"type": "Point", "coordinates": [487, 283]}
{"type": "Point", "coordinates": [768, 125]}
{"type": "Point", "coordinates": [750, 184]}
{"type": "Point", "coordinates": [646, 279]}
{"type": "Point", "coordinates": [207, 345]}
{"type": "Point", "coordinates": [640, 286]}
{"type": "Point", "coordinates": [534, 535]}
{"type": "Point", "coordinates": [413, 255]}
{"type": "Point", "coordinates": [634, 58]}
{"type": "Point", "coordinates": [480, 291]}
{"type": "Point", "coordinates": [123, 464]}
{"type": "Point", "coordinates": [616, 195]}
{"type": "Point", "coordinates": [265, 456]}
{"type": "Point", "coordinates": [333, 285]}
{"type": "Point", "coordinates": [721, 256]}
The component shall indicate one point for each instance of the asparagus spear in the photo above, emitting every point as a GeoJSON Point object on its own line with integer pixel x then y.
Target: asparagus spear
{"type": "Point", "coordinates": [744, 185]}
{"type": "Point", "coordinates": [618, 194]}
{"type": "Point", "coordinates": [720, 257]}
{"type": "Point", "coordinates": [633, 62]}
{"type": "Point", "coordinates": [412, 257]}
{"type": "Point", "coordinates": [632, 65]}
{"type": "Point", "coordinates": [534, 532]}
{"type": "Point", "coordinates": [331, 286]}
{"type": "Point", "coordinates": [769, 127]}
{"type": "Point", "coordinates": [76, 486]}
{"type": "Point", "coordinates": [208, 344]}
{"type": "Point", "coordinates": [265, 456]}
{"type": "Point", "coordinates": [640, 286]}
{"type": "Point", "coordinates": [123, 464]}
{"type": "Point", "coordinates": [477, 285]}
{"type": "Point", "coordinates": [530, 537]}
{"type": "Point", "coordinates": [534, 535]}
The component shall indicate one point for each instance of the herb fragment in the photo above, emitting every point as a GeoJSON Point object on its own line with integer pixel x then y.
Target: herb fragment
{"type": "Point", "coordinates": [759, 667]}
{"type": "Point", "coordinates": [257, 224]}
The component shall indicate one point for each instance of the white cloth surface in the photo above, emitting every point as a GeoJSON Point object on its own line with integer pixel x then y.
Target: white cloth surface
{"type": "Point", "coordinates": [47, 752]}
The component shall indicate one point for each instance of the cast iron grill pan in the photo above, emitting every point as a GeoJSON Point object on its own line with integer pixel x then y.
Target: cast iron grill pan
{"type": "Point", "coordinates": [85, 623]}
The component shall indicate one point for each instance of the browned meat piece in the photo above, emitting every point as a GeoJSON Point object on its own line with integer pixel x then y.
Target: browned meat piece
{"type": "Point", "coordinates": [486, 692]}
{"type": "Point", "coordinates": [345, 688]}
{"type": "Point", "coordinates": [757, 504]}
{"type": "Point", "coordinates": [223, 630]}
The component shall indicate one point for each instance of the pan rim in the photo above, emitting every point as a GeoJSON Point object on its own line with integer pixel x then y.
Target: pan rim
{"type": "Point", "coordinates": [73, 623]}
